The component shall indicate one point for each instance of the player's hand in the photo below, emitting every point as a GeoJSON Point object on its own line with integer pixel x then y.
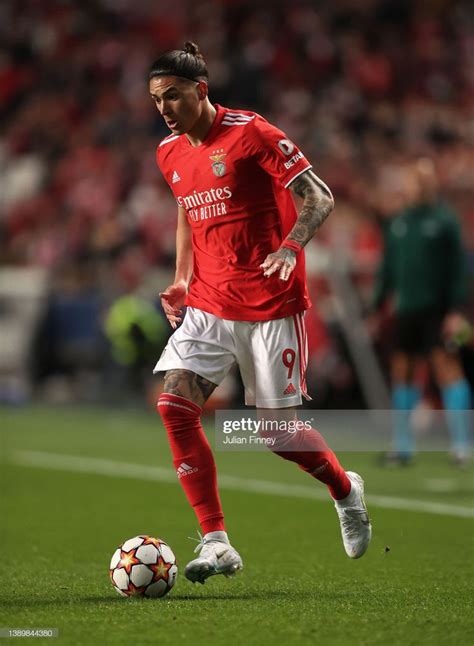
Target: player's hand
{"type": "Point", "coordinates": [456, 330]}
{"type": "Point", "coordinates": [172, 302]}
{"type": "Point", "coordinates": [283, 261]}
{"type": "Point", "coordinates": [453, 323]}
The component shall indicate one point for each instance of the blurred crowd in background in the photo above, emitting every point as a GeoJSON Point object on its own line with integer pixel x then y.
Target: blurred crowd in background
{"type": "Point", "coordinates": [363, 86]}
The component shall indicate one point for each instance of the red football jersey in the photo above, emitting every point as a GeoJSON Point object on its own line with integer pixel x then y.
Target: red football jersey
{"type": "Point", "coordinates": [234, 189]}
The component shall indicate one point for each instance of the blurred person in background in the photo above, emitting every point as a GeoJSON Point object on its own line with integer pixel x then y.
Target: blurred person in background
{"type": "Point", "coordinates": [424, 271]}
{"type": "Point", "coordinates": [135, 329]}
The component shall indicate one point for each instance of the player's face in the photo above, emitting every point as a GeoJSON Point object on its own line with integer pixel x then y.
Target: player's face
{"type": "Point", "coordinates": [178, 101]}
{"type": "Point", "coordinates": [427, 183]}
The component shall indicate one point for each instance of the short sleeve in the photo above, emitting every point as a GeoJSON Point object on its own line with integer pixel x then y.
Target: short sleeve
{"type": "Point", "coordinates": [164, 156]}
{"type": "Point", "coordinates": [273, 151]}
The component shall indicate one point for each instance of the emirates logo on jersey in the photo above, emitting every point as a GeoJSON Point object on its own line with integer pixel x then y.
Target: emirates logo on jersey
{"type": "Point", "coordinates": [218, 167]}
{"type": "Point", "coordinates": [203, 205]}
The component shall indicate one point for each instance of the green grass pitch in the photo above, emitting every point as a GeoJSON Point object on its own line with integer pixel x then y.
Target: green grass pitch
{"type": "Point", "coordinates": [59, 528]}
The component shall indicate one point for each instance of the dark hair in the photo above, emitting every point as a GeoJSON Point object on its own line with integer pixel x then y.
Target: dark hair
{"type": "Point", "coordinates": [187, 63]}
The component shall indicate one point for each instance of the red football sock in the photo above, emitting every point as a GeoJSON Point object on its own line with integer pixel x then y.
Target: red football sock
{"type": "Point", "coordinates": [311, 453]}
{"type": "Point", "coordinates": [193, 459]}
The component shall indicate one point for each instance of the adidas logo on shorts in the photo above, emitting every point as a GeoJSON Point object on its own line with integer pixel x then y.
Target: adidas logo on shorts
{"type": "Point", "coordinates": [290, 390]}
{"type": "Point", "coordinates": [185, 470]}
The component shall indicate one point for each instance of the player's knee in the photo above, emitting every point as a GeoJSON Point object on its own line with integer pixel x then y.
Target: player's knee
{"type": "Point", "coordinates": [447, 368]}
{"type": "Point", "coordinates": [188, 385]}
{"type": "Point", "coordinates": [268, 431]}
{"type": "Point", "coordinates": [178, 382]}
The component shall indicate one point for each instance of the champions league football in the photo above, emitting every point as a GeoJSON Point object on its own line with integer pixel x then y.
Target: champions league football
{"type": "Point", "coordinates": [143, 566]}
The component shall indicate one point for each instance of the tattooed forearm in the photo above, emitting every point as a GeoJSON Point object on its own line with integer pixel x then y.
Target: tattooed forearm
{"type": "Point", "coordinates": [189, 385]}
{"type": "Point", "coordinates": [317, 205]}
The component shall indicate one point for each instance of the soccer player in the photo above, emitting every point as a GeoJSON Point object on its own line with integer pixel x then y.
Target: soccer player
{"type": "Point", "coordinates": [240, 270]}
{"type": "Point", "coordinates": [424, 268]}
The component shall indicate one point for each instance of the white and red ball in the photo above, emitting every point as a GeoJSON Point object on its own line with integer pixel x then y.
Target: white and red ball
{"type": "Point", "coordinates": [143, 566]}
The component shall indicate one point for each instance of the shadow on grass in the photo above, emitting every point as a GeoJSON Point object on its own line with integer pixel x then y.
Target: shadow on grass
{"type": "Point", "coordinates": [262, 595]}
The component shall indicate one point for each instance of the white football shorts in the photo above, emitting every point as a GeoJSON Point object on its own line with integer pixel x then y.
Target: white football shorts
{"type": "Point", "coordinates": [271, 355]}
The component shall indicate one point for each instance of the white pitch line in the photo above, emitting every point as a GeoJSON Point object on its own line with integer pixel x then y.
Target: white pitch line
{"type": "Point", "coordinates": [440, 485]}
{"type": "Point", "coordinates": [98, 466]}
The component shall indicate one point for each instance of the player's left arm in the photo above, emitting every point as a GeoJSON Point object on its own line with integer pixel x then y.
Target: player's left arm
{"type": "Point", "coordinates": [318, 203]}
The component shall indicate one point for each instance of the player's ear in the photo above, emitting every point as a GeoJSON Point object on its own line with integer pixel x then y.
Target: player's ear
{"type": "Point", "coordinates": [202, 89]}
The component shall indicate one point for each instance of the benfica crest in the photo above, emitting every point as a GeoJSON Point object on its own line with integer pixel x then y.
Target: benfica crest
{"type": "Point", "coordinates": [218, 167]}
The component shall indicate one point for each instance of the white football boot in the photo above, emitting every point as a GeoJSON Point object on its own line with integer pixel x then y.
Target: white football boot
{"type": "Point", "coordinates": [356, 529]}
{"type": "Point", "coordinates": [217, 556]}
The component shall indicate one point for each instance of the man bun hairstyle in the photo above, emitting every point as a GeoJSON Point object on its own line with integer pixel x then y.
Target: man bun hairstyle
{"type": "Point", "coordinates": [187, 63]}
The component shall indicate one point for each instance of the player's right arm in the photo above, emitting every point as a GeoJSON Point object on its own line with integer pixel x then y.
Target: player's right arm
{"type": "Point", "coordinates": [172, 299]}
